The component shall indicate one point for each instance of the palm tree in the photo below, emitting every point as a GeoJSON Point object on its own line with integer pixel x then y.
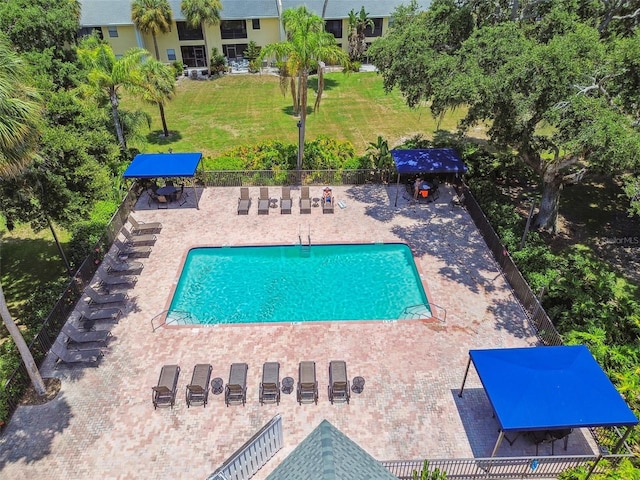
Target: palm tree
{"type": "Point", "coordinates": [306, 46]}
{"type": "Point", "coordinates": [152, 16]}
{"type": "Point", "coordinates": [200, 13]}
{"type": "Point", "coordinates": [107, 74]}
{"type": "Point", "coordinates": [358, 23]}
{"type": "Point", "coordinates": [20, 110]}
{"type": "Point", "coordinates": [159, 85]}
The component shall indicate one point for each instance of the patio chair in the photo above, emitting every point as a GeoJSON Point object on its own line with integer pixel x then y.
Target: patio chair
{"type": "Point", "coordinates": [270, 385]}
{"type": "Point", "coordinates": [138, 240]}
{"type": "Point", "coordinates": [107, 283]}
{"type": "Point", "coordinates": [560, 434]}
{"type": "Point", "coordinates": [339, 389]}
{"type": "Point", "coordinates": [122, 268]}
{"type": "Point", "coordinates": [328, 203]}
{"type": "Point", "coordinates": [285, 200]}
{"type": "Point", "coordinates": [131, 251]}
{"type": "Point", "coordinates": [162, 201]}
{"type": "Point", "coordinates": [90, 356]}
{"type": "Point", "coordinates": [76, 336]}
{"type": "Point", "coordinates": [98, 300]}
{"type": "Point", "coordinates": [198, 389]}
{"type": "Point", "coordinates": [140, 228]}
{"type": "Point", "coordinates": [307, 383]}
{"type": "Point", "coordinates": [102, 314]}
{"type": "Point", "coordinates": [244, 202]}
{"type": "Point", "coordinates": [305, 200]}
{"type": "Point", "coordinates": [153, 197]}
{"type": "Point", "coordinates": [236, 389]}
{"type": "Point", "coordinates": [164, 394]}
{"type": "Point", "coordinates": [181, 196]}
{"type": "Point", "coordinates": [263, 201]}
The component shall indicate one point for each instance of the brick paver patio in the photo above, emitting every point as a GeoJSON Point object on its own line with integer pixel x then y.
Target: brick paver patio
{"type": "Point", "coordinates": [103, 425]}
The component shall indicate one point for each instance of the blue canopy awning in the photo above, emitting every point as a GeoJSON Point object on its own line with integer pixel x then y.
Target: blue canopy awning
{"type": "Point", "coordinates": [159, 165]}
{"type": "Point", "coordinates": [430, 160]}
{"type": "Point", "coordinates": [549, 388]}
{"type": "Point", "coordinates": [543, 388]}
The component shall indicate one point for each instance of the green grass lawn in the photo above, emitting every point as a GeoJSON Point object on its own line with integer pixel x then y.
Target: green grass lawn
{"type": "Point", "coordinates": [211, 116]}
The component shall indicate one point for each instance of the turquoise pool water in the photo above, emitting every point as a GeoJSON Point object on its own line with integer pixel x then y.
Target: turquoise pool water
{"type": "Point", "coordinates": [288, 284]}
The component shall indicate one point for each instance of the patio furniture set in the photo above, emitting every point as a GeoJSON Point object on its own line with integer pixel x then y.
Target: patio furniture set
{"type": "Point", "coordinates": [265, 202]}
{"type": "Point", "coordinates": [270, 389]}
{"type": "Point", "coordinates": [162, 196]}
{"type": "Point", "coordinates": [85, 335]}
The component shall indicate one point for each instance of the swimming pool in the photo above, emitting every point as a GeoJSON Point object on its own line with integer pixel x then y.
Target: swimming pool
{"type": "Point", "coordinates": [294, 284]}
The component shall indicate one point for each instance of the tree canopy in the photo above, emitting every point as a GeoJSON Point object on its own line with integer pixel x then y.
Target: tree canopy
{"type": "Point", "coordinates": [551, 88]}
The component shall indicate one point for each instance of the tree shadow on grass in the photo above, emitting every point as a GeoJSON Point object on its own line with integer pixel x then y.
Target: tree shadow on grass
{"type": "Point", "coordinates": [288, 110]}
{"type": "Point", "coordinates": [329, 83]}
{"type": "Point", "coordinates": [157, 137]}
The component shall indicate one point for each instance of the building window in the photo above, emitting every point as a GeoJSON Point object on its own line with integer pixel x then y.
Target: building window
{"type": "Point", "coordinates": [185, 32]}
{"type": "Point", "coordinates": [233, 52]}
{"type": "Point", "coordinates": [88, 31]}
{"type": "Point", "coordinates": [118, 56]}
{"type": "Point", "coordinates": [334, 27]}
{"type": "Point", "coordinates": [113, 31]}
{"type": "Point", "coordinates": [255, 24]}
{"type": "Point", "coordinates": [376, 31]}
{"type": "Point", "coordinates": [171, 54]}
{"type": "Point", "coordinates": [193, 56]}
{"type": "Point", "coordinates": [233, 29]}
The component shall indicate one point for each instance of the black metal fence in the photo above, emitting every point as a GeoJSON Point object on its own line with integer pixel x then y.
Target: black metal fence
{"type": "Point", "coordinates": [544, 327]}
{"type": "Point", "coordinates": [237, 178]}
{"type": "Point", "coordinates": [19, 379]}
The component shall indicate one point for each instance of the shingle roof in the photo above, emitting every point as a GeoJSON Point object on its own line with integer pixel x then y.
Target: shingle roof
{"type": "Point", "coordinates": [118, 12]}
{"type": "Point", "coordinates": [328, 454]}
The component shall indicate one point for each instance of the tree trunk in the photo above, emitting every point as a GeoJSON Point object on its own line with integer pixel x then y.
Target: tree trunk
{"type": "Point", "coordinates": [164, 120]}
{"type": "Point", "coordinates": [551, 186]}
{"type": "Point", "coordinates": [294, 95]}
{"type": "Point", "coordinates": [25, 353]}
{"type": "Point", "coordinates": [316, 105]}
{"type": "Point", "coordinates": [206, 47]}
{"type": "Point", "coordinates": [302, 91]}
{"type": "Point", "coordinates": [116, 121]}
{"type": "Point", "coordinates": [155, 46]}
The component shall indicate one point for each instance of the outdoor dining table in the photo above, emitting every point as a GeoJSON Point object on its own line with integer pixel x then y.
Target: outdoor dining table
{"type": "Point", "coordinates": [168, 191]}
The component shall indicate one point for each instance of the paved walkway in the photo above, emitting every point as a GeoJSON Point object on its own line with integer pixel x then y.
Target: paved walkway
{"type": "Point", "coordinates": [103, 425]}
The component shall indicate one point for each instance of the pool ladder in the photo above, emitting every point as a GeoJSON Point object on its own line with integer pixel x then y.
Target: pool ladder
{"type": "Point", "coordinates": [305, 249]}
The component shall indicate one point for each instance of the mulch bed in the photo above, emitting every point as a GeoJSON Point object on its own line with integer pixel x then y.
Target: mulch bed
{"type": "Point", "coordinates": [30, 396]}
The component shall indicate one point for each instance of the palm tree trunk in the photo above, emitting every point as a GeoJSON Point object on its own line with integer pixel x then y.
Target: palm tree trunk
{"type": "Point", "coordinates": [206, 48]}
{"type": "Point", "coordinates": [116, 121]}
{"type": "Point", "coordinates": [164, 120]}
{"type": "Point", "coordinates": [25, 353]}
{"type": "Point", "coordinates": [302, 91]}
{"type": "Point", "coordinates": [155, 45]}
{"type": "Point", "coordinates": [294, 95]}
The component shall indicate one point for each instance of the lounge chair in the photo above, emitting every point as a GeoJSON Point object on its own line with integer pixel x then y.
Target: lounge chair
{"type": "Point", "coordinates": [305, 200]}
{"type": "Point", "coordinates": [91, 356]}
{"type": "Point", "coordinates": [244, 202]}
{"type": "Point", "coordinates": [236, 389]}
{"type": "Point", "coordinates": [138, 240]}
{"type": "Point", "coordinates": [131, 250]}
{"type": "Point", "coordinates": [339, 389]}
{"type": "Point", "coordinates": [107, 282]}
{"type": "Point", "coordinates": [164, 394]}
{"type": "Point", "coordinates": [98, 299]}
{"type": "Point", "coordinates": [328, 204]}
{"type": "Point", "coordinates": [102, 314]}
{"type": "Point", "coordinates": [285, 200]}
{"type": "Point", "coordinates": [198, 389]}
{"type": "Point", "coordinates": [263, 201]}
{"type": "Point", "coordinates": [307, 383]}
{"type": "Point", "coordinates": [122, 268]}
{"type": "Point", "coordinates": [270, 385]}
{"type": "Point", "coordinates": [78, 336]}
{"type": "Point", "coordinates": [139, 228]}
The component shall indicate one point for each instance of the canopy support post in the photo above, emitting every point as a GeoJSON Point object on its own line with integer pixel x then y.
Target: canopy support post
{"type": "Point", "coordinates": [495, 449]}
{"type": "Point", "coordinates": [464, 380]}
{"type": "Point", "coordinates": [195, 192]}
{"type": "Point", "coordinates": [397, 188]}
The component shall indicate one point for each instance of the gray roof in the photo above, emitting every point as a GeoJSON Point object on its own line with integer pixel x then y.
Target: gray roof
{"type": "Point", "coordinates": [328, 454]}
{"type": "Point", "coordinates": [118, 12]}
